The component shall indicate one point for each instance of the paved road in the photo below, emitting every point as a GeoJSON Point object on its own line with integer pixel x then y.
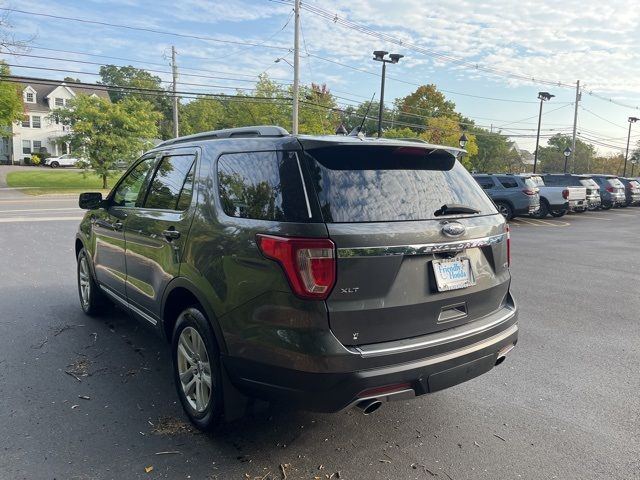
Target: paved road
{"type": "Point", "coordinates": [564, 405]}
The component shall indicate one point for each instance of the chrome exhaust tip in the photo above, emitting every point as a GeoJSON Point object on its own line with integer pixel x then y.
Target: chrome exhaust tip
{"type": "Point", "coordinates": [502, 354]}
{"type": "Point", "coordinates": [369, 406]}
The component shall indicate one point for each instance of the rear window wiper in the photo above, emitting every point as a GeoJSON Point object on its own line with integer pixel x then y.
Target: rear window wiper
{"type": "Point", "coordinates": [453, 208]}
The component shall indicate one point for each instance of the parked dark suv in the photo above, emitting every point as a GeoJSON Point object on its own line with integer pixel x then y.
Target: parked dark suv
{"type": "Point", "coordinates": [325, 272]}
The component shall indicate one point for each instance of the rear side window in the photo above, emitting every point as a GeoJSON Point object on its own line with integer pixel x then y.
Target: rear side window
{"type": "Point", "coordinates": [485, 182]}
{"type": "Point", "coordinates": [509, 182]}
{"type": "Point", "coordinates": [365, 183]}
{"type": "Point", "coordinates": [589, 182]}
{"type": "Point", "coordinates": [172, 177]}
{"type": "Point", "coordinates": [262, 186]}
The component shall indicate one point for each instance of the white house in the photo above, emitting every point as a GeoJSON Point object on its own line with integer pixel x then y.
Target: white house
{"type": "Point", "coordinates": [37, 131]}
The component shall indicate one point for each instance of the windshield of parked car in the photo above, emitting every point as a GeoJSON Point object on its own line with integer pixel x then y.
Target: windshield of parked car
{"type": "Point", "coordinates": [614, 182]}
{"type": "Point", "coordinates": [390, 183]}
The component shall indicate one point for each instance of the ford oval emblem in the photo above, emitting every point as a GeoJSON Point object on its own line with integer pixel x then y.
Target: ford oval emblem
{"type": "Point", "coordinates": [453, 229]}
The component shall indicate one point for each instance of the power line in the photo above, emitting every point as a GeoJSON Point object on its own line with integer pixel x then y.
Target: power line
{"type": "Point", "coordinates": [334, 18]}
{"type": "Point", "coordinates": [602, 118]}
{"type": "Point", "coordinates": [145, 29]}
{"type": "Point", "coordinates": [85, 62]}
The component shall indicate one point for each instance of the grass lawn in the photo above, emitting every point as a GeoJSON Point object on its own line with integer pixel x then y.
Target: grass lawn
{"type": "Point", "coordinates": [41, 182]}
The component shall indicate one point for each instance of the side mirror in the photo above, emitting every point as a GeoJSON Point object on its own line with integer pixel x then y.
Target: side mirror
{"type": "Point", "coordinates": [90, 200]}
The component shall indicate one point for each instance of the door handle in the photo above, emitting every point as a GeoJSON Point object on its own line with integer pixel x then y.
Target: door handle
{"type": "Point", "coordinates": [118, 226]}
{"type": "Point", "coordinates": [171, 234]}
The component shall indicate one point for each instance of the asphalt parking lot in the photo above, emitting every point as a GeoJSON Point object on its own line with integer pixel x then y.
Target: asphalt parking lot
{"type": "Point", "coordinates": [93, 399]}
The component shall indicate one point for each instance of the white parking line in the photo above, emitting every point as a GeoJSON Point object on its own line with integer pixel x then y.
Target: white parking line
{"type": "Point", "coordinates": [39, 210]}
{"type": "Point", "coordinates": [37, 219]}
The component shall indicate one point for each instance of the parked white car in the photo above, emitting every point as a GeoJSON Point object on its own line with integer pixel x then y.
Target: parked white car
{"type": "Point", "coordinates": [66, 160]}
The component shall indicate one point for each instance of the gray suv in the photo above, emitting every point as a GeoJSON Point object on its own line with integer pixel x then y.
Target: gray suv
{"type": "Point", "coordinates": [513, 195]}
{"type": "Point", "coordinates": [322, 271]}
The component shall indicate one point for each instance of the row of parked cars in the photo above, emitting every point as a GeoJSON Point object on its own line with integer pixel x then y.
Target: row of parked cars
{"type": "Point", "coordinates": [556, 194]}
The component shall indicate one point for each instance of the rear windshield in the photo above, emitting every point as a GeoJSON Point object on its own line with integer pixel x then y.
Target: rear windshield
{"type": "Point", "coordinates": [589, 182]}
{"type": "Point", "coordinates": [614, 182]}
{"type": "Point", "coordinates": [534, 182]}
{"type": "Point", "coordinates": [634, 184]}
{"type": "Point", "coordinates": [381, 184]}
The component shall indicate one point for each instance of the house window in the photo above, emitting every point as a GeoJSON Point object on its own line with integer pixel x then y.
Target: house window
{"type": "Point", "coordinates": [26, 147]}
{"type": "Point", "coordinates": [59, 102]}
{"type": "Point", "coordinates": [30, 97]}
{"type": "Point", "coordinates": [36, 122]}
{"type": "Point", "coordinates": [37, 145]}
{"type": "Point", "coordinates": [25, 121]}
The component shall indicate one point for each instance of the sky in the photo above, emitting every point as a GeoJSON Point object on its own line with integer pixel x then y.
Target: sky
{"type": "Point", "coordinates": [490, 57]}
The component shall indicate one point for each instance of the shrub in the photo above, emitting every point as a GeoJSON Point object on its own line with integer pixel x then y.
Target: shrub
{"type": "Point", "coordinates": [35, 160]}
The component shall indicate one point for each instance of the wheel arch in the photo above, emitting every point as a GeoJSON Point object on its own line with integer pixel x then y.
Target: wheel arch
{"type": "Point", "coordinates": [180, 294]}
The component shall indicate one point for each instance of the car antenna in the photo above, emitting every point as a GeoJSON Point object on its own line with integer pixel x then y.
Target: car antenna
{"type": "Point", "coordinates": [356, 131]}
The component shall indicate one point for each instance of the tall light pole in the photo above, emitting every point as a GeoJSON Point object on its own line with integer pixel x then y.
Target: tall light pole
{"type": "Point", "coordinates": [626, 155]}
{"type": "Point", "coordinates": [379, 56]}
{"type": "Point", "coordinates": [543, 96]}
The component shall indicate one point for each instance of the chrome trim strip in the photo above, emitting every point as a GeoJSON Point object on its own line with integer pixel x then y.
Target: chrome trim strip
{"type": "Point", "coordinates": [436, 341]}
{"type": "Point", "coordinates": [424, 249]}
{"type": "Point", "coordinates": [304, 187]}
{"type": "Point", "coordinates": [446, 357]}
{"type": "Point", "coordinates": [123, 302]}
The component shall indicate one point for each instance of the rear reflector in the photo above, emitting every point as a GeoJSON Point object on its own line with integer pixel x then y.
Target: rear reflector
{"type": "Point", "coordinates": [386, 390]}
{"type": "Point", "coordinates": [610, 189]}
{"type": "Point", "coordinates": [565, 193]}
{"type": "Point", "coordinates": [308, 263]}
{"type": "Point", "coordinates": [508, 232]}
{"type": "Point", "coordinates": [530, 191]}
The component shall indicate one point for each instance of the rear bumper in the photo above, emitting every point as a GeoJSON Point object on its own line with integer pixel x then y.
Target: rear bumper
{"type": "Point", "coordinates": [421, 365]}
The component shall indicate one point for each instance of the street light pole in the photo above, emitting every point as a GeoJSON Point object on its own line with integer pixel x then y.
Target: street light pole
{"type": "Point", "coordinates": [379, 56]}
{"type": "Point", "coordinates": [566, 153]}
{"type": "Point", "coordinates": [626, 155]}
{"type": "Point", "coordinates": [542, 96]}
{"type": "Point", "coordinates": [296, 67]}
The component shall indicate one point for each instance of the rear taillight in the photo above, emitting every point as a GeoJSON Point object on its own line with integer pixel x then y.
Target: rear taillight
{"type": "Point", "coordinates": [308, 263]}
{"type": "Point", "coordinates": [611, 189]}
{"type": "Point", "coordinates": [565, 193]}
{"type": "Point", "coordinates": [530, 191]}
{"type": "Point", "coordinates": [507, 230]}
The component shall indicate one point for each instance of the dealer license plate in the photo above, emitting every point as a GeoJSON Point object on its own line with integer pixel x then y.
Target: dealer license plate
{"type": "Point", "coordinates": [453, 273]}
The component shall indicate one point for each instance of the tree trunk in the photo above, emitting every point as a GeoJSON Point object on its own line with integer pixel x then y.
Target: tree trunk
{"type": "Point", "coordinates": [104, 181]}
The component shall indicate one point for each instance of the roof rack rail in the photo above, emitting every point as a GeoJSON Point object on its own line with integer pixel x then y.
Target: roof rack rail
{"type": "Point", "coordinates": [241, 132]}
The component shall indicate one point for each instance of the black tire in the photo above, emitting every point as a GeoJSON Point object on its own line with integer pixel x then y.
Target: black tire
{"type": "Point", "coordinates": [582, 210]}
{"type": "Point", "coordinates": [55, 164]}
{"type": "Point", "coordinates": [543, 211]}
{"type": "Point", "coordinates": [606, 206]}
{"type": "Point", "coordinates": [210, 417]}
{"type": "Point", "coordinates": [505, 209]}
{"type": "Point", "coordinates": [92, 300]}
{"type": "Point", "coordinates": [558, 213]}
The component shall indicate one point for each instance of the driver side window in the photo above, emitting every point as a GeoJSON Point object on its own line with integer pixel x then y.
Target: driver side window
{"type": "Point", "coordinates": [127, 193]}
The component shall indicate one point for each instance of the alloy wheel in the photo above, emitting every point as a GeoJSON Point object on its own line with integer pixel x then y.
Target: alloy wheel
{"type": "Point", "coordinates": [84, 281]}
{"type": "Point", "coordinates": [194, 369]}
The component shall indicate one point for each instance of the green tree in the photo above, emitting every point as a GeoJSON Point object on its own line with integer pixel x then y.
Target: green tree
{"type": "Point", "coordinates": [10, 102]}
{"type": "Point", "coordinates": [495, 153]}
{"type": "Point", "coordinates": [151, 90]}
{"type": "Point", "coordinates": [551, 157]}
{"type": "Point", "coordinates": [201, 115]}
{"type": "Point", "coordinates": [106, 132]}
{"type": "Point", "coordinates": [426, 102]}
{"type": "Point", "coordinates": [318, 112]}
{"type": "Point", "coordinates": [353, 117]}
{"type": "Point", "coordinates": [447, 131]}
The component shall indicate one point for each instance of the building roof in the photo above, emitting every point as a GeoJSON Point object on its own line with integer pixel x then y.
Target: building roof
{"type": "Point", "coordinates": [44, 87]}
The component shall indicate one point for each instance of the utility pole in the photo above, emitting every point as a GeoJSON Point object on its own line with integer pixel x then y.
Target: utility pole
{"type": "Point", "coordinates": [174, 88]}
{"type": "Point", "coordinates": [626, 155]}
{"type": "Point", "coordinates": [575, 124]}
{"type": "Point", "coordinates": [296, 66]}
